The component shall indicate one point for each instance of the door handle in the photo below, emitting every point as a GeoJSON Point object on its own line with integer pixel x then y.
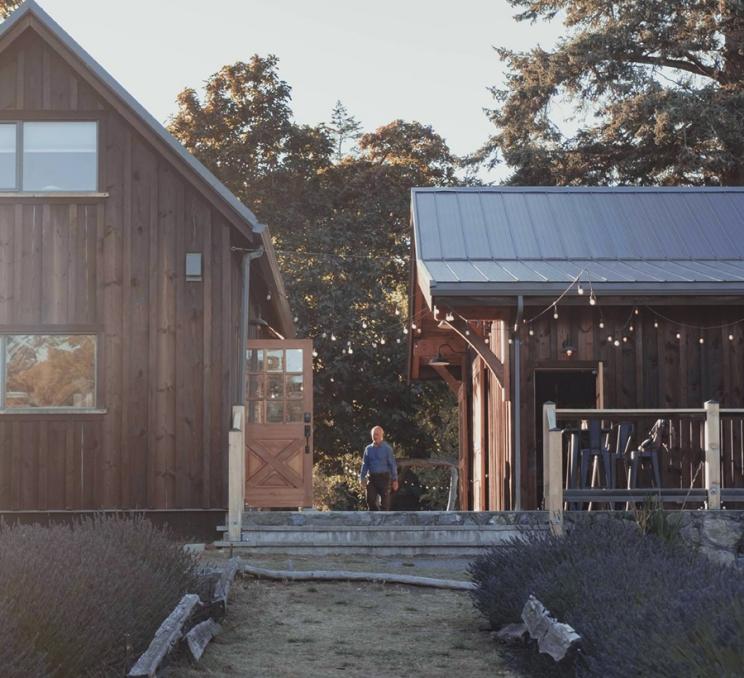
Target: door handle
{"type": "Point", "coordinates": [308, 432]}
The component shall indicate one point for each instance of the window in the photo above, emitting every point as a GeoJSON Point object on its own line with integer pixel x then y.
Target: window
{"type": "Point", "coordinates": [275, 388]}
{"type": "Point", "coordinates": [54, 156]}
{"type": "Point", "coordinates": [47, 371]}
{"type": "Point", "coordinates": [8, 156]}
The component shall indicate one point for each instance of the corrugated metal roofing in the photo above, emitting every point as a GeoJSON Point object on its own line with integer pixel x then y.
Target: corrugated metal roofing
{"type": "Point", "coordinates": [530, 239]}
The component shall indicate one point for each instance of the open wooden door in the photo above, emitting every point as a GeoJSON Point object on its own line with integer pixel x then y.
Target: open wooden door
{"type": "Point", "coordinates": [278, 435]}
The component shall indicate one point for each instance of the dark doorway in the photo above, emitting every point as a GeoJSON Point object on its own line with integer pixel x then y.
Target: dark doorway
{"type": "Point", "coordinates": [567, 388]}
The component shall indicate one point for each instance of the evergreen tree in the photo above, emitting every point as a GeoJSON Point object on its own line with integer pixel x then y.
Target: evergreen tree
{"type": "Point", "coordinates": [343, 127]}
{"type": "Point", "coordinates": [656, 89]}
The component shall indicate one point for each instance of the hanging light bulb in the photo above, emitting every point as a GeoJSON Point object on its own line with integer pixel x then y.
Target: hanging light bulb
{"type": "Point", "coordinates": [324, 335]}
{"type": "Point", "coordinates": [609, 337]}
{"type": "Point", "coordinates": [625, 340]}
{"type": "Point", "coordinates": [636, 311]}
{"type": "Point", "coordinates": [616, 342]}
{"type": "Point", "coordinates": [418, 331]}
{"type": "Point", "coordinates": [315, 353]}
{"type": "Point", "coordinates": [397, 340]}
{"type": "Point", "coordinates": [601, 324]}
{"type": "Point", "coordinates": [592, 300]}
{"type": "Point", "coordinates": [678, 335]}
{"type": "Point", "coordinates": [701, 340]}
{"type": "Point", "coordinates": [268, 296]}
{"type": "Point", "coordinates": [332, 379]}
{"type": "Point", "coordinates": [580, 289]}
{"type": "Point", "coordinates": [449, 317]}
{"type": "Point", "coordinates": [333, 337]}
{"type": "Point", "coordinates": [364, 324]}
{"type": "Point", "coordinates": [405, 330]}
{"type": "Point", "coordinates": [413, 326]}
{"type": "Point", "coordinates": [296, 319]}
{"type": "Point", "coordinates": [656, 323]}
{"type": "Point", "coordinates": [731, 337]}
{"type": "Point", "coordinates": [350, 350]}
{"type": "Point", "coordinates": [532, 332]}
{"type": "Point", "coordinates": [467, 333]}
{"type": "Point", "coordinates": [631, 328]}
{"type": "Point", "coordinates": [397, 311]}
{"type": "Point", "coordinates": [510, 340]}
{"type": "Point", "coordinates": [555, 312]}
{"type": "Point", "coordinates": [382, 340]}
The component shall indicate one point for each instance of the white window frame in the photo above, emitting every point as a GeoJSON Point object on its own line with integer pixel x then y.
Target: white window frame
{"type": "Point", "coordinates": [19, 157]}
{"type": "Point", "coordinates": [47, 410]}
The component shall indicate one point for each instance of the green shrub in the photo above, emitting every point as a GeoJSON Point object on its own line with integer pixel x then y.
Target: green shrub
{"type": "Point", "coordinates": [85, 600]}
{"type": "Point", "coordinates": [644, 606]}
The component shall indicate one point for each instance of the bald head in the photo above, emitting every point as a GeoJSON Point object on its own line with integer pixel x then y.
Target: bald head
{"type": "Point", "coordinates": [377, 434]}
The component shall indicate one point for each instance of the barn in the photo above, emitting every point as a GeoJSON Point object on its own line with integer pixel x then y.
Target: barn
{"type": "Point", "coordinates": [622, 301]}
{"type": "Point", "coordinates": [132, 282]}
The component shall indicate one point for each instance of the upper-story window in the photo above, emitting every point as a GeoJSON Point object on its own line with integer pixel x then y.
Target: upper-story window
{"type": "Point", "coordinates": [49, 156]}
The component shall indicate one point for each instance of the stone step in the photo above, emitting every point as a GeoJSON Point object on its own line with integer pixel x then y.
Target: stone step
{"type": "Point", "coordinates": [391, 518]}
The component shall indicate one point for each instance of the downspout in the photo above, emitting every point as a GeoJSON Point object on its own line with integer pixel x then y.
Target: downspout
{"type": "Point", "coordinates": [248, 256]}
{"type": "Point", "coordinates": [517, 408]}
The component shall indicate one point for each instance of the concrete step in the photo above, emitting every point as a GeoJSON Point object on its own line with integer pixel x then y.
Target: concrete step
{"type": "Point", "coordinates": [386, 533]}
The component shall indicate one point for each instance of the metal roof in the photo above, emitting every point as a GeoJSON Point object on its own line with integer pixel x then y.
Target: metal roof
{"type": "Point", "coordinates": [529, 240]}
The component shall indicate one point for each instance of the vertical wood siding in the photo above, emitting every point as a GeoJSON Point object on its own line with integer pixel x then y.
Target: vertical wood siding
{"type": "Point", "coordinates": [167, 347]}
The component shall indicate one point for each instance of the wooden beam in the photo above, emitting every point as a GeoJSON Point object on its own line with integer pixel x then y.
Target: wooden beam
{"type": "Point", "coordinates": [480, 347]}
{"type": "Point", "coordinates": [453, 383]}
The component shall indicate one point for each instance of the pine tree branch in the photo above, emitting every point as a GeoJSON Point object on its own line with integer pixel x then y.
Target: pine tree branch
{"type": "Point", "coordinates": [692, 66]}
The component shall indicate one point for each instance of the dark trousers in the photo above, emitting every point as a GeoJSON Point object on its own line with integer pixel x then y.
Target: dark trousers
{"type": "Point", "coordinates": [378, 484]}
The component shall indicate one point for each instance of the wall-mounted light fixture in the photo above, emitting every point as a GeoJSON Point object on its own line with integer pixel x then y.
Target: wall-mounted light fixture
{"type": "Point", "coordinates": [568, 349]}
{"type": "Point", "coordinates": [439, 360]}
{"type": "Point", "coordinates": [193, 267]}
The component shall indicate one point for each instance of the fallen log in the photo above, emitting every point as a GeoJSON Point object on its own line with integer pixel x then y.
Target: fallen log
{"type": "Point", "coordinates": [198, 638]}
{"type": "Point", "coordinates": [167, 635]}
{"type": "Point", "coordinates": [374, 577]}
{"type": "Point", "coordinates": [222, 587]}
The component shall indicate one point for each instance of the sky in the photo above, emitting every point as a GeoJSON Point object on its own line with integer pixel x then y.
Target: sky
{"type": "Point", "coordinates": [425, 60]}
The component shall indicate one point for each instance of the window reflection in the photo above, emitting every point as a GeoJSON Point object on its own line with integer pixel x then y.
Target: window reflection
{"type": "Point", "coordinates": [50, 371]}
{"type": "Point", "coordinates": [8, 156]}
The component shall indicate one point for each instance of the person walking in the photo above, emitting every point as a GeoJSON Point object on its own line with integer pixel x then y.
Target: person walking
{"type": "Point", "coordinates": [378, 470]}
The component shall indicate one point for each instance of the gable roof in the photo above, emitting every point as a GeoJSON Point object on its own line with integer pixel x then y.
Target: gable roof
{"type": "Point", "coordinates": [531, 240]}
{"type": "Point", "coordinates": [238, 214]}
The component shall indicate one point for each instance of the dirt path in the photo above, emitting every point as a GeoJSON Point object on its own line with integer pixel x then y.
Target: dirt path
{"type": "Point", "coordinates": [303, 629]}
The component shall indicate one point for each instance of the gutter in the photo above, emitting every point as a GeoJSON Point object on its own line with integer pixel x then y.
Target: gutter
{"type": "Point", "coordinates": [516, 409]}
{"type": "Point", "coordinates": [248, 256]}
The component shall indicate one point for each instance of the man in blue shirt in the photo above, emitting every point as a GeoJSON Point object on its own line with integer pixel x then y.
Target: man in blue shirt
{"type": "Point", "coordinates": [379, 464]}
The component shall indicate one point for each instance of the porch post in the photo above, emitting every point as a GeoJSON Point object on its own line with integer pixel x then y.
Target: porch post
{"type": "Point", "coordinates": [552, 469]}
{"type": "Point", "coordinates": [236, 474]}
{"type": "Point", "coordinates": [713, 454]}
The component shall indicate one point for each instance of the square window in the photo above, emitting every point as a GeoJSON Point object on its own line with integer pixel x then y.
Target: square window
{"type": "Point", "coordinates": [8, 156]}
{"type": "Point", "coordinates": [60, 156]}
{"type": "Point", "coordinates": [50, 371]}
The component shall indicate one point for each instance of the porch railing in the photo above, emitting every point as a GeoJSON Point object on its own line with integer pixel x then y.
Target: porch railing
{"type": "Point", "coordinates": [710, 434]}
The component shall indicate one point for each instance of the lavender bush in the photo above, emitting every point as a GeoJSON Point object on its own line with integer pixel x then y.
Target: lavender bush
{"type": "Point", "coordinates": [644, 606]}
{"type": "Point", "coordinates": [85, 600]}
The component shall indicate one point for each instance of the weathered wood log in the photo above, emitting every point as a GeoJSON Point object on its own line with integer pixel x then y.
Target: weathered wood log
{"type": "Point", "coordinates": [222, 588]}
{"type": "Point", "coordinates": [375, 577]}
{"type": "Point", "coordinates": [165, 638]}
{"type": "Point", "coordinates": [553, 637]}
{"type": "Point", "coordinates": [198, 638]}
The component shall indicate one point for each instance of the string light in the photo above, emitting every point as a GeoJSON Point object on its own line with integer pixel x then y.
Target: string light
{"type": "Point", "coordinates": [731, 337]}
{"type": "Point", "coordinates": [679, 336]}
{"type": "Point", "coordinates": [701, 340]}
{"type": "Point", "coordinates": [405, 330]}
{"type": "Point", "coordinates": [532, 332]}
{"type": "Point", "coordinates": [601, 324]}
{"type": "Point", "coordinates": [631, 328]}
{"type": "Point", "coordinates": [382, 340]}
{"type": "Point", "coordinates": [592, 300]}
{"type": "Point", "coordinates": [333, 337]}
{"type": "Point", "coordinates": [656, 323]}
{"type": "Point", "coordinates": [555, 312]}
{"type": "Point", "coordinates": [413, 326]}
{"type": "Point", "coordinates": [315, 353]}
{"type": "Point", "coordinates": [397, 311]}
{"type": "Point", "coordinates": [449, 317]}
{"type": "Point", "coordinates": [636, 311]}
{"type": "Point", "coordinates": [616, 342]}
{"type": "Point", "coordinates": [364, 324]}
{"type": "Point", "coordinates": [268, 296]}
{"type": "Point", "coordinates": [580, 290]}
{"type": "Point", "coordinates": [625, 340]}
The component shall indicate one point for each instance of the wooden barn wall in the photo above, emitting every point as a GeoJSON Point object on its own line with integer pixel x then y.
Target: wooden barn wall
{"type": "Point", "coordinates": [115, 266]}
{"type": "Point", "coordinates": [653, 369]}
{"type": "Point", "coordinates": [499, 425]}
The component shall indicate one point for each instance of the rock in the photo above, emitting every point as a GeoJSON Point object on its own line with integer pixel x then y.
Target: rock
{"type": "Point", "coordinates": [512, 634]}
{"type": "Point", "coordinates": [553, 638]}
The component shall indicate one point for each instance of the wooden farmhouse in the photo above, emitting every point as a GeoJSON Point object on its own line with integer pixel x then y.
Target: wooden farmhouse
{"type": "Point", "coordinates": [127, 272]}
{"type": "Point", "coordinates": [586, 297]}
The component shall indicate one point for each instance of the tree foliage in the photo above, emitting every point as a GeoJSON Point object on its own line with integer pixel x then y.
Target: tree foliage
{"type": "Point", "coordinates": [7, 7]}
{"type": "Point", "coordinates": [340, 223]}
{"type": "Point", "coordinates": [656, 89]}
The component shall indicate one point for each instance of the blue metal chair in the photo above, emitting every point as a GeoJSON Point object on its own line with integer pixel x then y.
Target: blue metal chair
{"type": "Point", "coordinates": [649, 450]}
{"type": "Point", "coordinates": [597, 450]}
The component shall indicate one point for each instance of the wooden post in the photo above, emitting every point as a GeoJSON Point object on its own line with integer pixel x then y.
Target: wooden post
{"type": "Point", "coordinates": [552, 469]}
{"type": "Point", "coordinates": [713, 454]}
{"type": "Point", "coordinates": [236, 474]}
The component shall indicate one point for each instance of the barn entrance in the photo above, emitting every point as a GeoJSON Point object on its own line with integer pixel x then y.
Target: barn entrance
{"type": "Point", "coordinates": [279, 419]}
{"type": "Point", "coordinates": [575, 387]}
